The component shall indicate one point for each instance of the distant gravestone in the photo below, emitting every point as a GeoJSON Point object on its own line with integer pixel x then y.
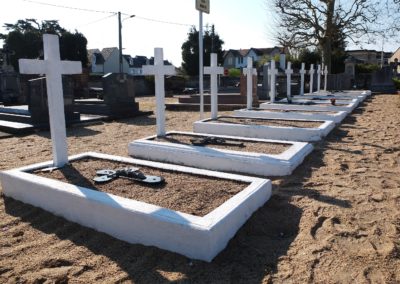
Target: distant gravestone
{"type": "Point", "coordinates": [38, 102]}
{"type": "Point", "coordinates": [250, 83]}
{"type": "Point", "coordinates": [319, 73]}
{"type": "Point", "coordinates": [266, 81]}
{"type": "Point", "coordinates": [311, 72]}
{"type": "Point", "coordinates": [214, 70]}
{"type": "Point", "coordinates": [382, 81]}
{"type": "Point", "coordinates": [302, 72]}
{"type": "Point", "coordinates": [119, 95]}
{"type": "Point", "coordinates": [289, 72]}
{"type": "Point", "coordinates": [273, 72]}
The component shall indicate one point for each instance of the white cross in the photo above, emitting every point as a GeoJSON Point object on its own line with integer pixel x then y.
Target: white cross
{"type": "Point", "coordinates": [289, 73]}
{"type": "Point", "coordinates": [159, 70]}
{"type": "Point", "coordinates": [319, 71]}
{"type": "Point", "coordinates": [273, 72]}
{"type": "Point", "coordinates": [249, 71]}
{"type": "Point", "coordinates": [326, 77]}
{"type": "Point", "coordinates": [53, 67]}
{"type": "Point", "coordinates": [302, 72]}
{"type": "Point", "coordinates": [214, 71]}
{"type": "Point", "coordinates": [311, 72]}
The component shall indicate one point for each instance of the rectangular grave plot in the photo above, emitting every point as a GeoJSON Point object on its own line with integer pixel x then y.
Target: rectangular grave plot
{"type": "Point", "coordinates": [189, 193]}
{"type": "Point", "coordinates": [136, 221]}
{"type": "Point", "coordinates": [336, 116]}
{"type": "Point", "coordinates": [266, 122]}
{"type": "Point", "coordinates": [234, 144]}
{"type": "Point", "coordinates": [262, 157]}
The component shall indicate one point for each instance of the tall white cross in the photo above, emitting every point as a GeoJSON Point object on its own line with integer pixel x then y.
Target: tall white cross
{"type": "Point", "coordinates": [273, 72]}
{"type": "Point", "coordinates": [159, 70]}
{"type": "Point", "coordinates": [311, 72]}
{"type": "Point", "coordinates": [319, 71]}
{"type": "Point", "coordinates": [249, 74]}
{"type": "Point", "coordinates": [326, 78]}
{"type": "Point", "coordinates": [289, 73]}
{"type": "Point", "coordinates": [214, 70]}
{"type": "Point", "coordinates": [53, 68]}
{"type": "Point", "coordinates": [302, 72]}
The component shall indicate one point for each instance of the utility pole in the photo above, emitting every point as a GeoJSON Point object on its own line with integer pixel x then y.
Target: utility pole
{"type": "Point", "coordinates": [121, 67]}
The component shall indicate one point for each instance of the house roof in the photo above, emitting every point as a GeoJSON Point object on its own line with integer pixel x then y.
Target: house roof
{"type": "Point", "coordinates": [106, 52]}
{"type": "Point", "coordinates": [258, 51]}
{"type": "Point", "coordinates": [95, 52]}
{"type": "Point", "coordinates": [138, 61]}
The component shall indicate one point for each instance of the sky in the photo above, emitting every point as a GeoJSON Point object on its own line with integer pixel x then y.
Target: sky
{"type": "Point", "coordinates": [241, 24]}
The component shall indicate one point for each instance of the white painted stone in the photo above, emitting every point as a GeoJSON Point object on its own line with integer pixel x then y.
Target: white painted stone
{"type": "Point", "coordinates": [289, 73]}
{"type": "Point", "coordinates": [214, 71]}
{"type": "Point", "coordinates": [361, 95]}
{"type": "Point", "coordinates": [273, 72]}
{"type": "Point", "coordinates": [53, 68]}
{"type": "Point", "coordinates": [336, 117]}
{"type": "Point", "coordinates": [326, 78]}
{"type": "Point", "coordinates": [262, 164]}
{"type": "Point", "coordinates": [302, 73]}
{"type": "Point", "coordinates": [311, 72]}
{"type": "Point", "coordinates": [248, 72]}
{"type": "Point", "coordinates": [159, 70]}
{"type": "Point", "coordinates": [139, 222]}
{"type": "Point", "coordinates": [319, 71]}
{"type": "Point", "coordinates": [265, 131]}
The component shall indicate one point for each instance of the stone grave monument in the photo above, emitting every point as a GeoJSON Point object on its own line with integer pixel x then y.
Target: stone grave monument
{"type": "Point", "coordinates": [302, 73]}
{"type": "Point", "coordinates": [381, 81]}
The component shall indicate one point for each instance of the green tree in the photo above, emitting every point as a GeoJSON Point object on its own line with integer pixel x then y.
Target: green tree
{"type": "Point", "coordinates": [190, 49]}
{"type": "Point", "coordinates": [24, 39]}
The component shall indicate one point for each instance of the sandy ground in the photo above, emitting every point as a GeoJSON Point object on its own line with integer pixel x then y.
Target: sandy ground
{"type": "Point", "coordinates": [336, 219]}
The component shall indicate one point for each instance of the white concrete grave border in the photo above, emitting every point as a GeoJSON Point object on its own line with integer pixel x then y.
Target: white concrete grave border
{"type": "Point", "coordinates": [139, 222]}
{"type": "Point", "coordinates": [262, 164]}
{"type": "Point", "coordinates": [336, 117]}
{"type": "Point", "coordinates": [264, 131]}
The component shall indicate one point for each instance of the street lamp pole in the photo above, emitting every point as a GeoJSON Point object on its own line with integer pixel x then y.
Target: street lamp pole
{"type": "Point", "coordinates": [121, 66]}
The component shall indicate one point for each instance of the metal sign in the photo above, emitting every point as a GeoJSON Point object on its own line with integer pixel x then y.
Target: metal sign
{"type": "Point", "coordinates": [203, 6]}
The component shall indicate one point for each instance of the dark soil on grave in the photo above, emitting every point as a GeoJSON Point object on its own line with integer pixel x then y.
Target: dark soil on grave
{"type": "Point", "coordinates": [188, 193]}
{"type": "Point", "coordinates": [255, 147]}
{"type": "Point", "coordinates": [266, 122]}
{"type": "Point", "coordinates": [296, 110]}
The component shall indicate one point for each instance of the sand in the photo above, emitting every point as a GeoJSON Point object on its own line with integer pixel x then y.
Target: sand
{"type": "Point", "coordinates": [336, 219]}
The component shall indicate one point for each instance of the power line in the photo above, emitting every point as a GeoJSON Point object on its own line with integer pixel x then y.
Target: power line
{"type": "Point", "coordinates": [68, 7]}
{"type": "Point", "coordinates": [99, 20]}
{"type": "Point", "coordinates": [106, 12]}
{"type": "Point", "coordinates": [163, 22]}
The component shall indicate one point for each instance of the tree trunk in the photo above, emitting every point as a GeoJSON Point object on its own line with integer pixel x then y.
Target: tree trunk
{"type": "Point", "coordinates": [329, 29]}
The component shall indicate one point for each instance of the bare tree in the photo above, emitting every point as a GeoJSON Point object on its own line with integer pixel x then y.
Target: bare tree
{"type": "Point", "coordinates": [305, 23]}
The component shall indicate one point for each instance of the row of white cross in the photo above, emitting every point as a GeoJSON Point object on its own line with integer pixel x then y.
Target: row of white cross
{"type": "Point", "coordinates": [54, 68]}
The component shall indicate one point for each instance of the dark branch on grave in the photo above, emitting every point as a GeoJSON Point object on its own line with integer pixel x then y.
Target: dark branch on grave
{"type": "Point", "coordinates": [211, 140]}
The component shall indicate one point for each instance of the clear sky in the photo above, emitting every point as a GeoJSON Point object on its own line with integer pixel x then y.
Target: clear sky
{"type": "Point", "coordinates": [240, 23]}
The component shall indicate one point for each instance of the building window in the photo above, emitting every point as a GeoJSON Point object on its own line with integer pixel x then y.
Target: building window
{"type": "Point", "coordinates": [240, 60]}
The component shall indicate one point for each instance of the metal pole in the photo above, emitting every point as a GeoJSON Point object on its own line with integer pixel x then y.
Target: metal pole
{"type": "Point", "coordinates": [201, 69]}
{"type": "Point", "coordinates": [120, 42]}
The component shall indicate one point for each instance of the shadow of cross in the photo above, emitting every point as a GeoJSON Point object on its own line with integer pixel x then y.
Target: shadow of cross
{"type": "Point", "coordinates": [159, 70]}
{"type": "Point", "coordinates": [53, 68]}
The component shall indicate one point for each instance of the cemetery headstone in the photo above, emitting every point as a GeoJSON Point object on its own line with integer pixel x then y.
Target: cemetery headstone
{"type": "Point", "coordinates": [214, 70]}
{"type": "Point", "coordinates": [311, 72]}
{"type": "Point", "coordinates": [273, 72]}
{"type": "Point", "coordinates": [302, 72]}
{"type": "Point", "coordinates": [266, 81]}
{"type": "Point", "coordinates": [319, 72]}
{"type": "Point", "coordinates": [119, 94]}
{"type": "Point", "coordinates": [382, 81]}
{"type": "Point", "coordinates": [53, 68]}
{"type": "Point", "coordinates": [38, 101]}
{"type": "Point", "coordinates": [289, 73]}
{"type": "Point", "coordinates": [159, 70]}
{"type": "Point", "coordinates": [282, 61]}
{"type": "Point", "coordinates": [326, 78]}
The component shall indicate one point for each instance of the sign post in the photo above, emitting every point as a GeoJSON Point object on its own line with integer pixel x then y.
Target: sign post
{"type": "Point", "coordinates": [201, 6]}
